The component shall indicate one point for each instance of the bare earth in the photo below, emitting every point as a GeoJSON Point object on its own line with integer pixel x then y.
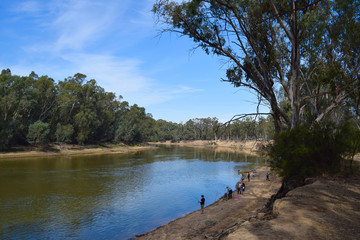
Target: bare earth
{"type": "Point", "coordinates": [248, 147]}
{"type": "Point", "coordinates": [328, 208]}
{"type": "Point", "coordinates": [70, 149]}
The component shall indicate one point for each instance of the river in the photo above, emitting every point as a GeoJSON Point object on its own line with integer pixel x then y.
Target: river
{"type": "Point", "coordinates": [111, 196]}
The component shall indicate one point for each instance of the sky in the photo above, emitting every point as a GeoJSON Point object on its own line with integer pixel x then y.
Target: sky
{"type": "Point", "coordinates": [117, 43]}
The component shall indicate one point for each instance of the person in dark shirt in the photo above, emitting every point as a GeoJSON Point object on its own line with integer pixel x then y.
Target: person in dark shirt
{"type": "Point", "coordinates": [202, 203]}
{"type": "Point", "coordinates": [229, 193]}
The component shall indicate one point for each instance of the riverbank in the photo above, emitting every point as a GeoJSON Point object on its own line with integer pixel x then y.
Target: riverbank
{"type": "Point", "coordinates": [252, 147]}
{"type": "Point", "coordinates": [325, 208]}
{"type": "Point", "coordinates": [223, 214]}
{"type": "Point", "coordinates": [71, 150]}
{"type": "Point", "coordinates": [247, 147]}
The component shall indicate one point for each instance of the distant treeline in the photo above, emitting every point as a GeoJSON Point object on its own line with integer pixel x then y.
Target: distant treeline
{"type": "Point", "coordinates": [37, 110]}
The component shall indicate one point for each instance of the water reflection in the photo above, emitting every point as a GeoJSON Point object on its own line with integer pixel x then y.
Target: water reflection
{"type": "Point", "coordinates": [110, 196]}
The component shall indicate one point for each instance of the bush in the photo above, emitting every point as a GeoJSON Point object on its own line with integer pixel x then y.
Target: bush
{"type": "Point", "coordinates": [64, 133]}
{"type": "Point", "coordinates": [38, 133]}
{"type": "Point", "coordinates": [309, 151]}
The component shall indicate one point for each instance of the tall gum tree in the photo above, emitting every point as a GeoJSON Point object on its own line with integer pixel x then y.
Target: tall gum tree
{"type": "Point", "coordinates": [308, 49]}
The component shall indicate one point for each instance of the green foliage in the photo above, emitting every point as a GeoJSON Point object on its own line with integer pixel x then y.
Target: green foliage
{"type": "Point", "coordinates": [64, 133]}
{"type": "Point", "coordinates": [310, 151]}
{"type": "Point", "coordinates": [352, 142]}
{"type": "Point", "coordinates": [6, 135]}
{"type": "Point", "coordinates": [135, 126]}
{"type": "Point", "coordinates": [80, 111]}
{"type": "Point", "coordinates": [38, 133]}
{"type": "Point", "coordinates": [309, 49]}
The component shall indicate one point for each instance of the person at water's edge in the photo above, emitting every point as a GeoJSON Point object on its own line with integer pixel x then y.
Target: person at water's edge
{"type": "Point", "coordinates": [202, 203]}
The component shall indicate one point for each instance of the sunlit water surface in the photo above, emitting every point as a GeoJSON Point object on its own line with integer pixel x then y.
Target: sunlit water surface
{"type": "Point", "coordinates": [111, 196]}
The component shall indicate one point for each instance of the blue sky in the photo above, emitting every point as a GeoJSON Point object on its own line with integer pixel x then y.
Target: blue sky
{"type": "Point", "coordinates": [116, 42]}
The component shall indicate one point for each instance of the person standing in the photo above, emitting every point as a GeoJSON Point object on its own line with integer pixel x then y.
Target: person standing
{"type": "Point", "coordinates": [239, 188]}
{"type": "Point", "coordinates": [248, 177]}
{"type": "Point", "coordinates": [202, 203]}
{"type": "Point", "coordinates": [229, 190]}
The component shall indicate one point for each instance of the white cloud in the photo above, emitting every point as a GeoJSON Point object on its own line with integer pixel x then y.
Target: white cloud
{"type": "Point", "coordinates": [119, 75]}
{"type": "Point", "coordinates": [124, 77]}
{"type": "Point", "coordinates": [154, 95]}
{"type": "Point", "coordinates": [30, 7]}
{"type": "Point", "coordinates": [81, 22]}
{"type": "Point", "coordinates": [72, 27]}
{"type": "Point", "coordinates": [116, 74]}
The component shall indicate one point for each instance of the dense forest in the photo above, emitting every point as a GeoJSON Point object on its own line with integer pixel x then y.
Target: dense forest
{"type": "Point", "coordinates": [39, 110]}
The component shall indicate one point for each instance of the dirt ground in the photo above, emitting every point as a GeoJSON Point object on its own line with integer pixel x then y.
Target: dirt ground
{"type": "Point", "coordinates": [329, 208]}
{"type": "Point", "coordinates": [249, 146]}
{"type": "Point", "coordinates": [72, 149]}
{"type": "Point", "coordinates": [326, 208]}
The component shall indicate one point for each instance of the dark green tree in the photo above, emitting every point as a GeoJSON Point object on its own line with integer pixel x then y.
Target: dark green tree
{"type": "Point", "coordinates": [38, 133]}
{"type": "Point", "coordinates": [135, 126]}
{"type": "Point", "coordinates": [64, 133]}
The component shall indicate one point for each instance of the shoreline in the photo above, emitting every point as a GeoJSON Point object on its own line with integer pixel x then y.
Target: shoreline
{"type": "Point", "coordinates": [73, 150]}
{"type": "Point", "coordinates": [250, 147]}
{"type": "Point", "coordinates": [326, 207]}
{"type": "Point", "coordinates": [222, 213]}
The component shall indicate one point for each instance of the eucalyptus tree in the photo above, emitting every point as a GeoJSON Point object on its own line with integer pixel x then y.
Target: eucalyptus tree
{"type": "Point", "coordinates": [44, 98]}
{"type": "Point", "coordinates": [18, 102]}
{"type": "Point", "coordinates": [190, 132]}
{"type": "Point", "coordinates": [134, 125]}
{"type": "Point", "coordinates": [165, 131]}
{"type": "Point", "coordinates": [38, 133]}
{"type": "Point", "coordinates": [310, 48]}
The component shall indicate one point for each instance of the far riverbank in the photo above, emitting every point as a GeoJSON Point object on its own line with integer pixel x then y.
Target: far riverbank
{"type": "Point", "coordinates": [248, 147]}
{"type": "Point", "coordinates": [251, 147]}
{"type": "Point", "coordinates": [71, 150]}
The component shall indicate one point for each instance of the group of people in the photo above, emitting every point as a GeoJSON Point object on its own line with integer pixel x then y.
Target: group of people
{"type": "Point", "coordinates": [240, 188]}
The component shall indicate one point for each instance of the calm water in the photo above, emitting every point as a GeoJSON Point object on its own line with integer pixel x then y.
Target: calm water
{"type": "Point", "coordinates": [110, 196]}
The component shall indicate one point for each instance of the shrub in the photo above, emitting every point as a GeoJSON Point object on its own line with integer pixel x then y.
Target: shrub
{"type": "Point", "coordinates": [38, 133]}
{"type": "Point", "coordinates": [309, 151]}
{"type": "Point", "coordinates": [64, 133]}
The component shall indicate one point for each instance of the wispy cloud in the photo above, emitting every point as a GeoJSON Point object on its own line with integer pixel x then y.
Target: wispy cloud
{"type": "Point", "coordinates": [116, 74]}
{"type": "Point", "coordinates": [74, 34]}
{"type": "Point", "coordinates": [81, 22]}
{"type": "Point", "coordinates": [119, 75]}
{"type": "Point", "coordinates": [156, 95]}
{"type": "Point", "coordinates": [30, 7]}
{"type": "Point", "coordinates": [124, 77]}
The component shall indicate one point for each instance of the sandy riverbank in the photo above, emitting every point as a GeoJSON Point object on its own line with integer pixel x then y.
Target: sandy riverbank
{"type": "Point", "coordinates": [221, 215]}
{"type": "Point", "coordinates": [248, 147]}
{"type": "Point", "coordinates": [326, 208]}
{"type": "Point", "coordinates": [70, 149]}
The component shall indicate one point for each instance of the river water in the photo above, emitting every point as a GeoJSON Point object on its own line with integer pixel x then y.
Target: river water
{"type": "Point", "coordinates": [111, 196]}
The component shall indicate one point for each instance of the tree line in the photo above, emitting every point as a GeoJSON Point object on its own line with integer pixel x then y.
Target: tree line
{"type": "Point", "coordinates": [37, 110]}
